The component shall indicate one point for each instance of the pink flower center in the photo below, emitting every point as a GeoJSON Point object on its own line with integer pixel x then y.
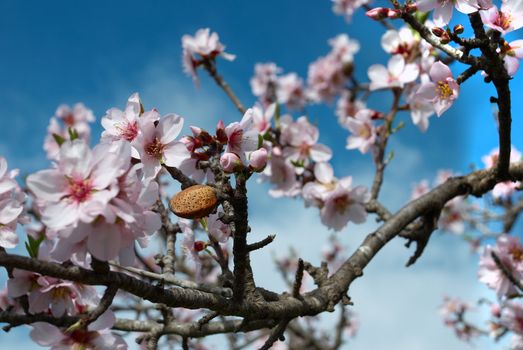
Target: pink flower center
{"type": "Point", "coordinates": [82, 337]}
{"type": "Point", "coordinates": [155, 149]}
{"type": "Point", "coordinates": [365, 132]}
{"type": "Point", "coordinates": [444, 91]}
{"type": "Point", "coordinates": [80, 190]}
{"type": "Point", "coordinates": [403, 49]}
{"type": "Point", "coordinates": [503, 20]}
{"type": "Point", "coordinates": [305, 150]}
{"type": "Point", "coordinates": [198, 246]}
{"type": "Point", "coordinates": [342, 203]}
{"type": "Point", "coordinates": [130, 131]}
{"type": "Point", "coordinates": [68, 119]}
{"type": "Point", "coordinates": [60, 293]}
{"type": "Point", "coordinates": [517, 254]}
{"type": "Point", "coordinates": [235, 140]}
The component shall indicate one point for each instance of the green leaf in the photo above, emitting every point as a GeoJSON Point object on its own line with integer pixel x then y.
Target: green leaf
{"type": "Point", "coordinates": [277, 116]}
{"type": "Point", "coordinates": [203, 222]}
{"type": "Point", "coordinates": [260, 141]}
{"type": "Point", "coordinates": [298, 163]}
{"type": "Point", "coordinates": [389, 157]}
{"type": "Point", "coordinates": [59, 139]}
{"type": "Point", "coordinates": [400, 126]}
{"type": "Point", "coordinates": [421, 16]}
{"type": "Point", "coordinates": [73, 134]}
{"type": "Point", "coordinates": [33, 245]}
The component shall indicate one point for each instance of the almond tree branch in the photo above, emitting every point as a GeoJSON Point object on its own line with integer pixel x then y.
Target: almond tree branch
{"type": "Point", "coordinates": [498, 74]}
{"type": "Point", "coordinates": [319, 300]}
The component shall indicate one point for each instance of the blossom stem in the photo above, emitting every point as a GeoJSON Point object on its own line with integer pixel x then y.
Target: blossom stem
{"type": "Point", "coordinates": [210, 67]}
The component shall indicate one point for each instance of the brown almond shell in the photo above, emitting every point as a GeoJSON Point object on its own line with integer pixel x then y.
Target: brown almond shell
{"type": "Point", "coordinates": [194, 202]}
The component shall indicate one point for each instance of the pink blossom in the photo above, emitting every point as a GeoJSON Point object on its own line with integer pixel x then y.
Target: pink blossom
{"type": "Point", "coordinates": [230, 162]}
{"type": "Point", "coordinates": [506, 19]}
{"type": "Point", "coordinates": [11, 206]}
{"type": "Point", "coordinates": [281, 173]}
{"type": "Point", "coordinates": [301, 138]}
{"type": "Point", "coordinates": [344, 204]}
{"type": "Point", "coordinates": [264, 82]}
{"type": "Point", "coordinates": [363, 131]}
{"type": "Point", "coordinates": [347, 107]}
{"type": "Point", "coordinates": [51, 294]}
{"type": "Point", "coordinates": [262, 117]}
{"type": "Point", "coordinates": [325, 78]}
{"type": "Point", "coordinates": [512, 319]}
{"type": "Point", "coordinates": [242, 137]}
{"type": "Point", "coordinates": [258, 159]}
{"type": "Point", "coordinates": [420, 189]}
{"type": "Point", "coordinates": [191, 247]}
{"type": "Point", "coordinates": [127, 124]}
{"type": "Point", "coordinates": [157, 145]}
{"type": "Point", "coordinates": [339, 203]}
{"type": "Point", "coordinates": [452, 215]}
{"type": "Point", "coordinates": [127, 218]}
{"type": "Point", "coordinates": [399, 42]}
{"type": "Point", "coordinates": [344, 48]}
{"type": "Point", "coordinates": [420, 109]}
{"type": "Point", "coordinates": [7, 181]}
{"type": "Point", "coordinates": [315, 192]}
{"type": "Point", "coordinates": [76, 118]}
{"type": "Point", "coordinates": [217, 229]}
{"type": "Point", "coordinates": [290, 91]}
{"type": "Point", "coordinates": [453, 311]}
{"type": "Point", "coordinates": [507, 188]}
{"type": "Point", "coordinates": [95, 337]}
{"type": "Point", "coordinates": [443, 9]}
{"type": "Point", "coordinates": [510, 253]}
{"type": "Point", "coordinates": [397, 74]}
{"type": "Point", "coordinates": [513, 53]}
{"type": "Point", "coordinates": [205, 44]}
{"type": "Point", "coordinates": [346, 8]}
{"type": "Point", "coordinates": [443, 89]}
{"type": "Point", "coordinates": [81, 185]}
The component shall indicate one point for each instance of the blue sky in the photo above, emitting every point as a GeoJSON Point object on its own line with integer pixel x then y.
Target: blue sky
{"type": "Point", "coordinates": [101, 52]}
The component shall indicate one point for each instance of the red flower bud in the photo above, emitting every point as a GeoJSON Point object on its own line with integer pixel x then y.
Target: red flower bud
{"type": "Point", "coordinates": [221, 136]}
{"type": "Point", "coordinates": [459, 29]}
{"type": "Point", "coordinates": [439, 32]}
{"type": "Point", "coordinates": [199, 246]}
{"type": "Point", "coordinates": [377, 13]}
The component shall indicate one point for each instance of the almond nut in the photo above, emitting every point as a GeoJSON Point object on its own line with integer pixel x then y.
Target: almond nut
{"type": "Point", "coordinates": [194, 202]}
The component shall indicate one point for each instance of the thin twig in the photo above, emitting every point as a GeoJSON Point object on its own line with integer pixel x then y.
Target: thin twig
{"type": "Point", "coordinates": [298, 280]}
{"type": "Point", "coordinates": [226, 292]}
{"type": "Point", "coordinates": [264, 242]}
{"type": "Point", "coordinates": [277, 334]}
{"type": "Point", "coordinates": [210, 66]}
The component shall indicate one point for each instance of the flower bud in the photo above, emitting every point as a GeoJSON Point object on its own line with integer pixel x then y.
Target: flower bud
{"type": "Point", "coordinates": [258, 159]}
{"type": "Point", "coordinates": [459, 29]}
{"type": "Point", "coordinates": [198, 246]}
{"type": "Point", "coordinates": [393, 13]}
{"type": "Point", "coordinates": [495, 310]}
{"type": "Point", "coordinates": [190, 142]}
{"type": "Point", "coordinates": [221, 136]}
{"type": "Point", "coordinates": [445, 38]}
{"type": "Point", "coordinates": [439, 32]}
{"type": "Point", "coordinates": [230, 162]}
{"type": "Point", "coordinates": [377, 13]}
{"type": "Point", "coordinates": [196, 131]}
